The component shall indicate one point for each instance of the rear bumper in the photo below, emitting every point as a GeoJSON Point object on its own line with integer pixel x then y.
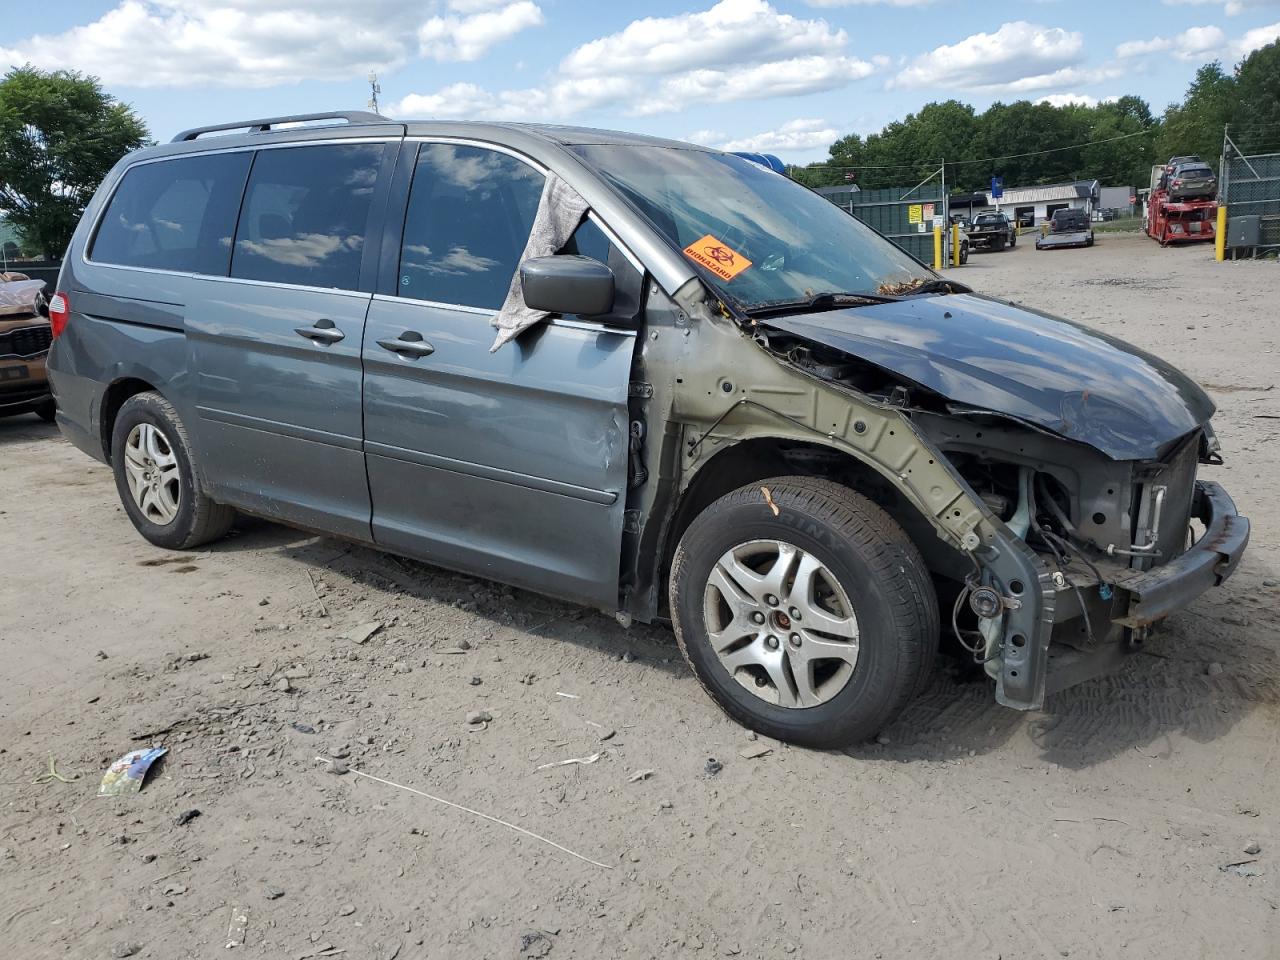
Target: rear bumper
{"type": "Point", "coordinates": [1156, 593]}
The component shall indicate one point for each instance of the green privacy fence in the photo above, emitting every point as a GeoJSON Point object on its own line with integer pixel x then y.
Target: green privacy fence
{"type": "Point", "coordinates": [902, 214]}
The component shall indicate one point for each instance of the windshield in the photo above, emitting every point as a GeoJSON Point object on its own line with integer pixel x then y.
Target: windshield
{"type": "Point", "coordinates": [759, 236]}
{"type": "Point", "coordinates": [988, 218]}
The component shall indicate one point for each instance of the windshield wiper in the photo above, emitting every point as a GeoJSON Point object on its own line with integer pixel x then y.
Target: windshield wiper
{"type": "Point", "coordinates": [822, 301]}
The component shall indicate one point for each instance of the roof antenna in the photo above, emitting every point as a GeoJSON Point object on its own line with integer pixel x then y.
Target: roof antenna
{"type": "Point", "coordinates": [374, 90]}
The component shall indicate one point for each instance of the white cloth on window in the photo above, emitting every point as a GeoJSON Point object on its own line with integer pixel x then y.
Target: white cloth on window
{"type": "Point", "coordinates": [560, 210]}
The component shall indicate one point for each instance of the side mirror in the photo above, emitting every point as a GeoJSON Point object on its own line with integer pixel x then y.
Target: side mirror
{"type": "Point", "coordinates": [567, 283]}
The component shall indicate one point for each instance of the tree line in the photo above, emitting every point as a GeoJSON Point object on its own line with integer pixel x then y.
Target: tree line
{"type": "Point", "coordinates": [1026, 143]}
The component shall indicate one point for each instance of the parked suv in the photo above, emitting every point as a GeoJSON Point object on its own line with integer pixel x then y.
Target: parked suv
{"type": "Point", "coordinates": [732, 406]}
{"type": "Point", "coordinates": [993, 231]}
{"type": "Point", "coordinates": [1192, 180]}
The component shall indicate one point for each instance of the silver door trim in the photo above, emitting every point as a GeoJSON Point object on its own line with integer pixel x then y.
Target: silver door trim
{"type": "Point", "coordinates": [481, 471]}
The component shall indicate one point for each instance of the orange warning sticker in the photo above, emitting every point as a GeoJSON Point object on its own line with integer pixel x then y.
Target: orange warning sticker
{"type": "Point", "coordinates": [716, 257]}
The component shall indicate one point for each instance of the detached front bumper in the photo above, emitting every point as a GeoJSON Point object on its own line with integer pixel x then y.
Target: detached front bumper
{"type": "Point", "coordinates": [1062, 241]}
{"type": "Point", "coordinates": [1156, 593]}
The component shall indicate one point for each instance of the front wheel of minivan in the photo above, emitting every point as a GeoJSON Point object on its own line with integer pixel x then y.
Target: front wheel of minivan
{"type": "Point", "coordinates": [814, 622]}
{"type": "Point", "coordinates": [151, 458]}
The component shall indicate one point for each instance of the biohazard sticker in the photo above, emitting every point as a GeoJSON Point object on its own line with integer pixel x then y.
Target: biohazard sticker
{"type": "Point", "coordinates": [716, 257]}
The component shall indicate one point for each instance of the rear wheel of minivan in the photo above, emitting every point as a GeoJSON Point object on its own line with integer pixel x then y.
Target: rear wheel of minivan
{"type": "Point", "coordinates": [151, 457]}
{"type": "Point", "coordinates": [814, 622]}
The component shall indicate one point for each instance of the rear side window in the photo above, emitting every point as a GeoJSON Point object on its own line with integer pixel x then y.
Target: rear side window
{"type": "Point", "coordinates": [469, 216]}
{"type": "Point", "coordinates": [174, 215]}
{"type": "Point", "coordinates": [306, 215]}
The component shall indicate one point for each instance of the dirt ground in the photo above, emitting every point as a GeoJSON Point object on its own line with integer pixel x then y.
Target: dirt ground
{"type": "Point", "coordinates": [1114, 822]}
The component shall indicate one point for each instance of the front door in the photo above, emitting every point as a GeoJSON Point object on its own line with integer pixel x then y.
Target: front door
{"type": "Point", "coordinates": [510, 464]}
{"type": "Point", "coordinates": [276, 347]}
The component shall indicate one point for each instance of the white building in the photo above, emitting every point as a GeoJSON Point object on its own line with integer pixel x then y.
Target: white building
{"type": "Point", "coordinates": [1028, 206]}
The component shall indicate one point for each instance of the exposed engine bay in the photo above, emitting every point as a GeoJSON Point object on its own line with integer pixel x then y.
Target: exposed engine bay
{"type": "Point", "coordinates": [1093, 524]}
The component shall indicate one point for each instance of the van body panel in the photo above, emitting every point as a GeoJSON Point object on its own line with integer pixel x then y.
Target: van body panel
{"type": "Point", "coordinates": [510, 464]}
{"type": "Point", "coordinates": [277, 415]}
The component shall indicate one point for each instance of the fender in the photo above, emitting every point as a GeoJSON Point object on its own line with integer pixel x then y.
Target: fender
{"type": "Point", "coordinates": [702, 376]}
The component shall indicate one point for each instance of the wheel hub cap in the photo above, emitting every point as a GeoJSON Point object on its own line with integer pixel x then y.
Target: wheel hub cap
{"type": "Point", "coordinates": [151, 472]}
{"type": "Point", "coordinates": [781, 624]}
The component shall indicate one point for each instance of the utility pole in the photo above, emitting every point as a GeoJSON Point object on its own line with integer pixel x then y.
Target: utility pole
{"type": "Point", "coordinates": [374, 90]}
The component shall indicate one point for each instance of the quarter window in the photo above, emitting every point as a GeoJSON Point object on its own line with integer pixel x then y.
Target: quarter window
{"type": "Point", "coordinates": [174, 215]}
{"type": "Point", "coordinates": [306, 215]}
{"type": "Point", "coordinates": [469, 216]}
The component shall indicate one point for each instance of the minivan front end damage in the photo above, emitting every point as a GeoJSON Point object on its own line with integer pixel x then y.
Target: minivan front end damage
{"type": "Point", "coordinates": [1068, 522]}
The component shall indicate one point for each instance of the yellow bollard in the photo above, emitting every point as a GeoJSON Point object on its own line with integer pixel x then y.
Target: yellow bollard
{"type": "Point", "coordinates": [937, 248]}
{"type": "Point", "coordinates": [1220, 237]}
{"type": "Point", "coordinates": [955, 244]}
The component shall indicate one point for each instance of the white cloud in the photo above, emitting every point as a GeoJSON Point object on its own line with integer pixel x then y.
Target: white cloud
{"type": "Point", "coordinates": [783, 78]}
{"type": "Point", "coordinates": [869, 3]}
{"type": "Point", "coordinates": [732, 31]}
{"type": "Point", "coordinates": [470, 37]}
{"type": "Point", "coordinates": [1140, 48]}
{"type": "Point", "coordinates": [735, 50]}
{"type": "Point", "coordinates": [1070, 100]}
{"type": "Point", "coordinates": [801, 134]}
{"type": "Point", "coordinates": [1017, 56]}
{"type": "Point", "coordinates": [1201, 44]}
{"type": "Point", "coordinates": [1231, 7]}
{"type": "Point", "coordinates": [469, 101]}
{"type": "Point", "coordinates": [1255, 38]}
{"type": "Point", "coordinates": [248, 43]}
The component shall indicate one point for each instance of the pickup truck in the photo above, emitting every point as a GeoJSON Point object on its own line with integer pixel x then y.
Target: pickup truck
{"type": "Point", "coordinates": [992, 231]}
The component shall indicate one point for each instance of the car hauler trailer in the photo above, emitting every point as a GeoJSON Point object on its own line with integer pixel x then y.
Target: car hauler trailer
{"type": "Point", "coordinates": [1178, 221]}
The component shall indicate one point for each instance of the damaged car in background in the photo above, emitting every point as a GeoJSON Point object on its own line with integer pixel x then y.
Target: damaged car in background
{"type": "Point", "coordinates": [713, 399]}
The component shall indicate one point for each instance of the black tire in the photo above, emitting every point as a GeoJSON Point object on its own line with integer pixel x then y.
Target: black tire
{"type": "Point", "coordinates": [997, 244]}
{"type": "Point", "coordinates": [964, 254]}
{"type": "Point", "coordinates": [876, 565]}
{"type": "Point", "coordinates": [46, 411]}
{"type": "Point", "coordinates": [1013, 241]}
{"type": "Point", "coordinates": [198, 519]}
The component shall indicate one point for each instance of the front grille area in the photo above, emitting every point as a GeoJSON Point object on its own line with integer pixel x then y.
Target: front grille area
{"type": "Point", "coordinates": [26, 342]}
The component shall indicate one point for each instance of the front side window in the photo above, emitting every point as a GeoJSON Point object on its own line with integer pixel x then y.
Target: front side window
{"type": "Point", "coordinates": [469, 216]}
{"type": "Point", "coordinates": [174, 215]}
{"type": "Point", "coordinates": [758, 236]}
{"type": "Point", "coordinates": [306, 215]}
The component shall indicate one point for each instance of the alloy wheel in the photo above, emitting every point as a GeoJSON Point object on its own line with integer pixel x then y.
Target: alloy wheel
{"type": "Point", "coordinates": [151, 470]}
{"type": "Point", "coordinates": [781, 623]}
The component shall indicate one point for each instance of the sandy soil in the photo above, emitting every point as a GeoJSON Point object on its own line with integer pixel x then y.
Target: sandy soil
{"type": "Point", "coordinates": [1105, 825]}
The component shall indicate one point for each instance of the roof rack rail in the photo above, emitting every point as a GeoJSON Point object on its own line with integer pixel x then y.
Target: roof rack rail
{"type": "Point", "coordinates": [267, 124]}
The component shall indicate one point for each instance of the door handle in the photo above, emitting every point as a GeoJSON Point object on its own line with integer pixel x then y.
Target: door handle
{"type": "Point", "coordinates": [323, 332]}
{"type": "Point", "coordinates": [409, 344]}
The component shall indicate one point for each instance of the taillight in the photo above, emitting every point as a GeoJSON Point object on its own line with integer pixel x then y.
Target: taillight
{"type": "Point", "coordinates": [1177, 183]}
{"type": "Point", "coordinates": [59, 313]}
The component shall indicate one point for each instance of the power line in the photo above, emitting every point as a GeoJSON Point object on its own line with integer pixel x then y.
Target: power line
{"type": "Point", "coordinates": [955, 163]}
{"type": "Point", "coordinates": [1037, 153]}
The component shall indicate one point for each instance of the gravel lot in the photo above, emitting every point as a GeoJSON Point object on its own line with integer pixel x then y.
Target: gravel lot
{"type": "Point", "coordinates": [1115, 821]}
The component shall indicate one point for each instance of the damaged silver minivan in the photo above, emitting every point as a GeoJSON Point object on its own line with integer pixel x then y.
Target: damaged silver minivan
{"type": "Point", "coordinates": [650, 377]}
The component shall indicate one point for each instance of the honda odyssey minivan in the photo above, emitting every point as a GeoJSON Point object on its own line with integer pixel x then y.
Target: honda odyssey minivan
{"type": "Point", "coordinates": [648, 377]}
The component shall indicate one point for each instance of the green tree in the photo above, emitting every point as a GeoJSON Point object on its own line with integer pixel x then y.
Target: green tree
{"type": "Point", "coordinates": [1194, 126]}
{"type": "Point", "coordinates": [60, 134]}
{"type": "Point", "coordinates": [1255, 119]}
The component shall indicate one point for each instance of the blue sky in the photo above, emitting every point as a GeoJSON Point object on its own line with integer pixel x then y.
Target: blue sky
{"type": "Point", "coordinates": [783, 76]}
